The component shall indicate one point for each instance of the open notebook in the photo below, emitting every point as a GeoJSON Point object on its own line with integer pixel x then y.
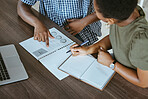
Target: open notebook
{"type": "Point", "coordinates": [87, 69]}
{"type": "Point", "coordinates": [54, 55]}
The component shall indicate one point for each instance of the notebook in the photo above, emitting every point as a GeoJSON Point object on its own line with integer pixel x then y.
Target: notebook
{"type": "Point", "coordinates": [51, 57]}
{"type": "Point", "coordinates": [62, 64]}
{"type": "Point", "coordinates": [87, 69]}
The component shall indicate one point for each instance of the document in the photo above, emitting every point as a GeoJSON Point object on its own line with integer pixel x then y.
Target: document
{"type": "Point", "coordinates": [62, 64]}
{"type": "Point", "coordinates": [87, 69]}
{"type": "Point", "coordinates": [54, 55]}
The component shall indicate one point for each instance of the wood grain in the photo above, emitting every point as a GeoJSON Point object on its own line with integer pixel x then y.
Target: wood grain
{"type": "Point", "coordinates": [41, 83]}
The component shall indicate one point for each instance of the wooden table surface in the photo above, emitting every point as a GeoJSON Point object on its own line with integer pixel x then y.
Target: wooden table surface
{"type": "Point", "coordinates": [41, 83]}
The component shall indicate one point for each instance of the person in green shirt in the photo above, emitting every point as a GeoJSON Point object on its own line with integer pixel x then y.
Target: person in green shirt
{"type": "Point", "coordinates": [128, 38]}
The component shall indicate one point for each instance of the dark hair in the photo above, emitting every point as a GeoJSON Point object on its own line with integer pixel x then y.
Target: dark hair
{"type": "Point", "coordinates": [117, 9]}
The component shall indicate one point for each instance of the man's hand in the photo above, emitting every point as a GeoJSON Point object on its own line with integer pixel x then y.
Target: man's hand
{"type": "Point", "coordinates": [74, 26]}
{"type": "Point", "coordinates": [41, 33]}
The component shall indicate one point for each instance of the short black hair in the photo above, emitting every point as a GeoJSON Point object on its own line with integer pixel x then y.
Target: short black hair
{"type": "Point", "coordinates": [117, 9]}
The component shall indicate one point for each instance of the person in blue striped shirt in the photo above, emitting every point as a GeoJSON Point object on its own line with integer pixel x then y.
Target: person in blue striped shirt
{"type": "Point", "coordinates": [75, 16]}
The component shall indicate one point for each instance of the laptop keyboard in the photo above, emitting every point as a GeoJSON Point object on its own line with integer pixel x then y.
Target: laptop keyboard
{"type": "Point", "coordinates": [3, 71]}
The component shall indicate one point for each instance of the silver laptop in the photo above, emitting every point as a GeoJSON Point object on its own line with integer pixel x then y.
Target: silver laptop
{"type": "Point", "coordinates": [11, 67]}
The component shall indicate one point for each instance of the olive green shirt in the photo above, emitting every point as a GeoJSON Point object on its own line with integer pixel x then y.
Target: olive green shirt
{"type": "Point", "coordinates": [130, 43]}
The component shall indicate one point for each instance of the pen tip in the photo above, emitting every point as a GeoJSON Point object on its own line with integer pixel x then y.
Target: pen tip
{"type": "Point", "coordinates": [68, 51]}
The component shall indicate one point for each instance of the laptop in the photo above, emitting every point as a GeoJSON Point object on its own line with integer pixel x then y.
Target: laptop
{"type": "Point", "coordinates": [11, 67]}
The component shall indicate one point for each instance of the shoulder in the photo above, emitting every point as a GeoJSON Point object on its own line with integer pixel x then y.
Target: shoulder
{"type": "Point", "coordinates": [138, 54]}
{"type": "Point", "coordinates": [140, 37]}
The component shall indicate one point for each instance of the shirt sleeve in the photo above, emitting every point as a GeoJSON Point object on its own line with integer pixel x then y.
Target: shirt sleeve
{"type": "Point", "coordinates": [29, 2]}
{"type": "Point", "coordinates": [138, 54]}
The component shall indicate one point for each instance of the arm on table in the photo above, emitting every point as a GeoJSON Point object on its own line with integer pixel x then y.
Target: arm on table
{"type": "Point", "coordinates": [104, 43]}
{"type": "Point", "coordinates": [139, 77]}
{"type": "Point", "coordinates": [41, 33]}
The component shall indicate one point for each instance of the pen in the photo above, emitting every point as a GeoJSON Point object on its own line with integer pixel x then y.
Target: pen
{"type": "Point", "coordinates": [79, 45]}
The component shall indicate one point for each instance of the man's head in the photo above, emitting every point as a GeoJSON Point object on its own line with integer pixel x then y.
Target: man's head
{"type": "Point", "coordinates": [114, 9]}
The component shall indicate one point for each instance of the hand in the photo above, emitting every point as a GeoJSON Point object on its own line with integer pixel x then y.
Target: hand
{"type": "Point", "coordinates": [79, 50]}
{"type": "Point", "coordinates": [104, 57]}
{"type": "Point", "coordinates": [74, 26]}
{"type": "Point", "coordinates": [41, 33]}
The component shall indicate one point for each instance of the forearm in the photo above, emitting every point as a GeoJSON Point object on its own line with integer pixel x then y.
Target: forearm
{"type": "Point", "coordinates": [129, 74]}
{"type": "Point", "coordinates": [105, 43]}
{"type": "Point", "coordinates": [24, 11]}
{"type": "Point", "coordinates": [89, 19]}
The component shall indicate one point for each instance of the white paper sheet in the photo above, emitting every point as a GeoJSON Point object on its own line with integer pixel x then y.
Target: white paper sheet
{"type": "Point", "coordinates": [97, 75]}
{"type": "Point", "coordinates": [77, 65]}
{"type": "Point", "coordinates": [51, 57]}
{"type": "Point", "coordinates": [39, 49]}
{"type": "Point", "coordinates": [88, 70]}
{"type": "Point", "coordinates": [53, 61]}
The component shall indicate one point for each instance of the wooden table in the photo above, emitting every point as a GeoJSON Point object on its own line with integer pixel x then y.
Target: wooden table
{"type": "Point", "coordinates": [41, 83]}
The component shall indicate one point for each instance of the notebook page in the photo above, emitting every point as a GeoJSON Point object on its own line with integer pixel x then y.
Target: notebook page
{"type": "Point", "coordinates": [60, 40]}
{"type": "Point", "coordinates": [39, 49]}
{"type": "Point", "coordinates": [34, 48]}
{"type": "Point", "coordinates": [53, 61]}
{"type": "Point", "coordinates": [77, 65]}
{"type": "Point", "coordinates": [97, 75]}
